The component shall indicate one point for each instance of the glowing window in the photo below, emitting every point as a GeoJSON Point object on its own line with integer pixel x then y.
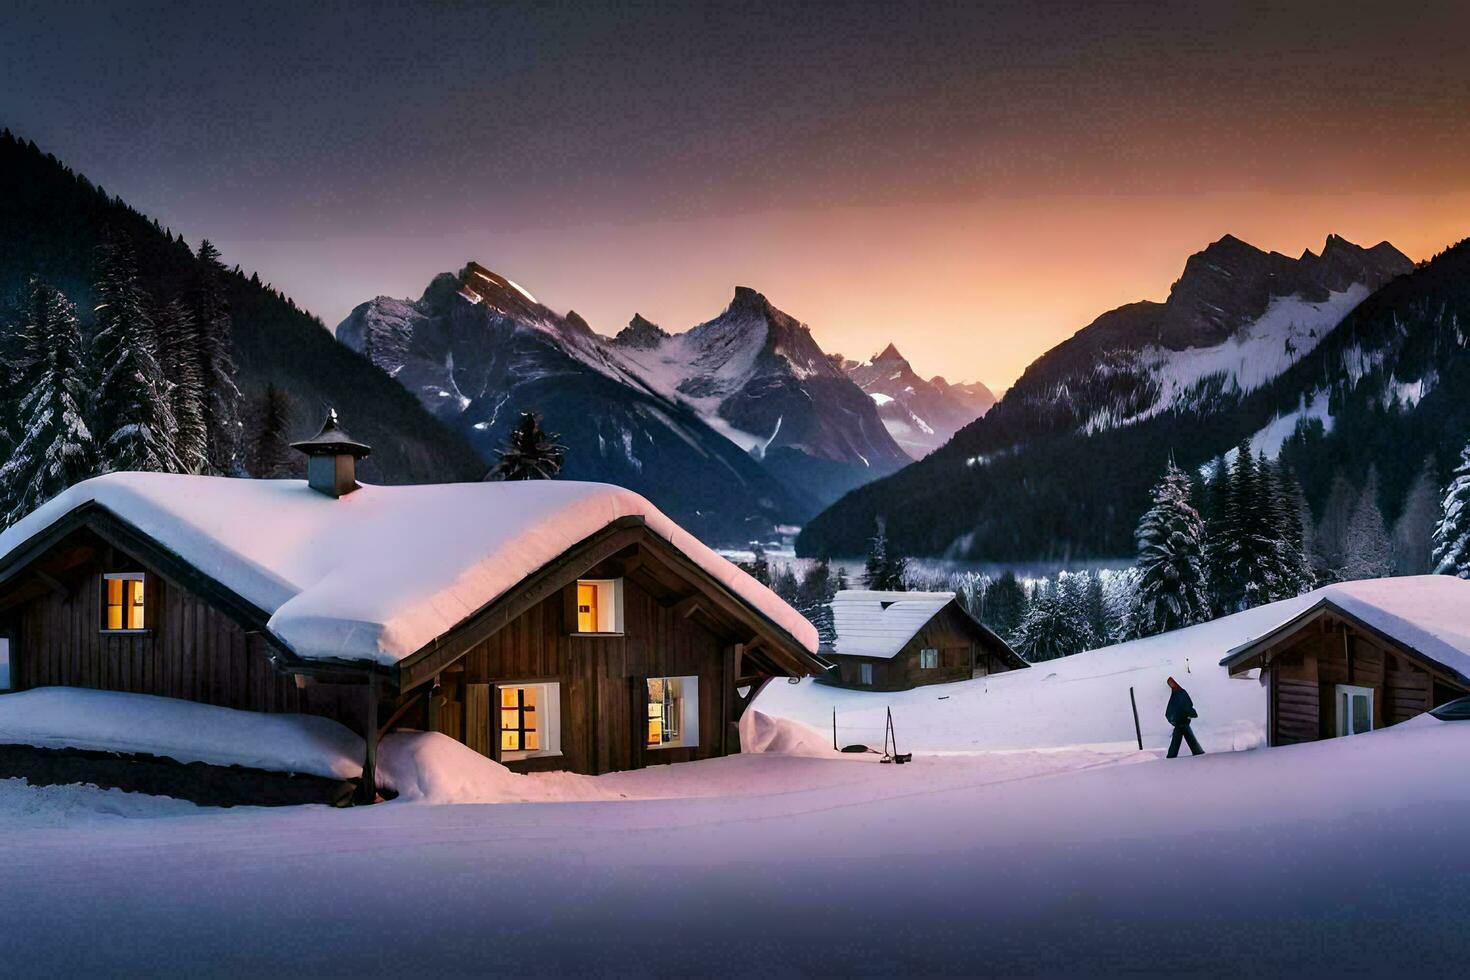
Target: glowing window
{"type": "Point", "coordinates": [673, 712]}
{"type": "Point", "coordinates": [123, 604]}
{"type": "Point", "coordinates": [600, 605]}
{"type": "Point", "coordinates": [529, 720]}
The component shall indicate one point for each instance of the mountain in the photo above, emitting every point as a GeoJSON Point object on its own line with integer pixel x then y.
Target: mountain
{"type": "Point", "coordinates": [51, 222]}
{"type": "Point", "coordinates": [477, 350]}
{"type": "Point", "coordinates": [1061, 466]}
{"type": "Point", "coordinates": [757, 375]}
{"type": "Point", "coordinates": [920, 415]}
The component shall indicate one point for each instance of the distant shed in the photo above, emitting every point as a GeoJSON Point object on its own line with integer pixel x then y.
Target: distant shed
{"type": "Point", "coordinates": [893, 641]}
{"type": "Point", "coordinates": [1365, 655]}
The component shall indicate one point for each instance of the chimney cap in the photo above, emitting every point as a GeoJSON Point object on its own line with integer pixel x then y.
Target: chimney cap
{"type": "Point", "coordinates": [332, 440]}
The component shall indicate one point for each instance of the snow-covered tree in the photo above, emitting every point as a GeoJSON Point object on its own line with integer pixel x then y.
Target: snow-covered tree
{"type": "Point", "coordinates": [1173, 589]}
{"type": "Point", "coordinates": [1332, 531]}
{"type": "Point", "coordinates": [1452, 535]}
{"type": "Point", "coordinates": [530, 453]}
{"type": "Point", "coordinates": [1055, 625]}
{"type": "Point", "coordinates": [814, 599]}
{"type": "Point", "coordinates": [1413, 532]}
{"type": "Point", "coordinates": [55, 447]}
{"type": "Point", "coordinates": [132, 418]}
{"type": "Point", "coordinates": [1120, 606]}
{"type": "Point", "coordinates": [1369, 549]}
{"type": "Point", "coordinates": [178, 356]}
{"type": "Point", "coordinates": [759, 567]}
{"type": "Point", "coordinates": [268, 452]}
{"type": "Point", "coordinates": [884, 570]}
{"type": "Point", "coordinates": [1005, 604]}
{"type": "Point", "coordinates": [215, 350]}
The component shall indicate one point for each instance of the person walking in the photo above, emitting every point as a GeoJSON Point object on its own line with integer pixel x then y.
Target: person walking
{"type": "Point", "coordinates": [1178, 713]}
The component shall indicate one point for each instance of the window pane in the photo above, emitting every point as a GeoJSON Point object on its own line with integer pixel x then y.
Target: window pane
{"type": "Point", "coordinates": [135, 604]}
{"type": "Point", "coordinates": [532, 740]}
{"type": "Point", "coordinates": [510, 740]}
{"type": "Point", "coordinates": [509, 697]}
{"type": "Point", "coordinates": [4, 664]}
{"type": "Point", "coordinates": [1361, 720]}
{"type": "Point", "coordinates": [114, 591]}
{"type": "Point", "coordinates": [510, 719]}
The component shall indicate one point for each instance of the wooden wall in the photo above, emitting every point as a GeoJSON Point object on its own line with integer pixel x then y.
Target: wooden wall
{"type": "Point", "coordinates": [191, 650]}
{"type": "Point", "coordinates": [602, 679]}
{"type": "Point", "coordinates": [1308, 666]}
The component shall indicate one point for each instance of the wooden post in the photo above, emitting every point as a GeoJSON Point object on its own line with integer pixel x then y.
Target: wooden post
{"type": "Point", "coordinates": [367, 788]}
{"type": "Point", "coordinates": [834, 729]}
{"type": "Point", "coordinates": [1137, 730]}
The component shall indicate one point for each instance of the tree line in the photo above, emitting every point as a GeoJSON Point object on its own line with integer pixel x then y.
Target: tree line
{"type": "Point", "coordinates": [150, 387]}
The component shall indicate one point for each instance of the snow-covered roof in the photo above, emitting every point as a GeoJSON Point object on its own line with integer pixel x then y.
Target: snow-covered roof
{"type": "Point", "coordinates": [1428, 614]}
{"type": "Point", "coordinates": [878, 624]}
{"type": "Point", "coordinates": [379, 573]}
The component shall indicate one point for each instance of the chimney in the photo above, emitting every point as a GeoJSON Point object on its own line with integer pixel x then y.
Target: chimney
{"type": "Point", "coordinates": [331, 458]}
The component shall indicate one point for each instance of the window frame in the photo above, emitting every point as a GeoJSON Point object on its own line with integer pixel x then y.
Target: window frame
{"type": "Point", "coordinates": [609, 607]}
{"type": "Point", "coordinates": [548, 720]}
{"type": "Point", "coordinates": [1345, 718]}
{"type": "Point", "coordinates": [688, 714]}
{"type": "Point", "coordinates": [144, 581]}
{"type": "Point", "coordinates": [865, 674]}
{"type": "Point", "coordinates": [929, 654]}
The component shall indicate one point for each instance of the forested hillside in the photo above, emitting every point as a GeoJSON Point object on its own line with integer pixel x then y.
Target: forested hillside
{"type": "Point", "coordinates": [52, 224]}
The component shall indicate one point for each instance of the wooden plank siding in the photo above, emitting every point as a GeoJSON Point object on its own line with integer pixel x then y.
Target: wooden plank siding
{"type": "Point", "coordinates": [190, 651]}
{"type": "Point", "coordinates": [1306, 667]}
{"type": "Point", "coordinates": [602, 680]}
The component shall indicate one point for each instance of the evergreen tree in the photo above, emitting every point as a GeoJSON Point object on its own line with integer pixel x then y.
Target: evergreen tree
{"type": "Point", "coordinates": [1005, 604]}
{"type": "Point", "coordinates": [214, 348]}
{"type": "Point", "coordinates": [1452, 535]}
{"type": "Point", "coordinates": [1287, 569]}
{"type": "Point", "coordinates": [883, 570]}
{"type": "Point", "coordinates": [183, 387]}
{"type": "Point", "coordinates": [55, 448]}
{"type": "Point", "coordinates": [529, 454]}
{"type": "Point", "coordinates": [1369, 550]}
{"type": "Point", "coordinates": [758, 568]}
{"type": "Point", "coordinates": [268, 452]}
{"type": "Point", "coordinates": [1413, 532]}
{"type": "Point", "coordinates": [132, 418]}
{"type": "Point", "coordinates": [1120, 605]}
{"type": "Point", "coordinates": [1332, 531]}
{"type": "Point", "coordinates": [814, 599]}
{"type": "Point", "coordinates": [1053, 627]}
{"type": "Point", "coordinates": [1173, 590]}
{"type": "Point", "coordinates": [786, 585]}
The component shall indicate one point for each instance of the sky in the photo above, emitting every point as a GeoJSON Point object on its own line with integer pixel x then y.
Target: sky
{"type": "Point", "coordinates": [972, 181]}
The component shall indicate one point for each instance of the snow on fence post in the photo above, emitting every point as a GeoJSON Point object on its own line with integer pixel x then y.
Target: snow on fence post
{"type": "Point", "coordinates": [1137, 731]}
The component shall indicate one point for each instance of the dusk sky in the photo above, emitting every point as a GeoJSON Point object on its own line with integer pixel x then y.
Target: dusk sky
{"type": "Point", "coordinates": [972, 181]}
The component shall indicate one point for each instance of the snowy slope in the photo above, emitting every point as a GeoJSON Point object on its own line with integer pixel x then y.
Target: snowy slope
{"type": "Point", "coordinates": [378, 574]}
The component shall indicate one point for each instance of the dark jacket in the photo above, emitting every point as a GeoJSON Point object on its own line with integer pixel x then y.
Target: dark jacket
{"type": "Point", "coordinates": [1180, 708]}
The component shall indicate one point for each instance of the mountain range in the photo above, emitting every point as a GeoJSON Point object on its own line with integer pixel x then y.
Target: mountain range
{"type": "Point", "coordinates": [738, 424]}
{"type": "Point", "coordinates": [1249, 345]}
{"type": "Point", "coordinates": [920, 415]}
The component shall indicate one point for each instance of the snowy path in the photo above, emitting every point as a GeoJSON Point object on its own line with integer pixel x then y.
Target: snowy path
{"type": "Point", "coordinates": [1344, 853]}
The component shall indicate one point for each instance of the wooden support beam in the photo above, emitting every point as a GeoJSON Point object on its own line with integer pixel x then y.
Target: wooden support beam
{"type": "Point", "coordinates": [688, 606]}
{"type": "Point", "coordinates": [367, 788]}
{"type": "Point", "coordinates": [51, 582]}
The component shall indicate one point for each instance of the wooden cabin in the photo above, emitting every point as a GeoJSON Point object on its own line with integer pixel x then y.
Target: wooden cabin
{"type": "Point", "coordinates": [1364, 655]}
{"type": "Point", "coordinates": [547, 625]}
{"type": "Point", "coordinates": [893, 641]}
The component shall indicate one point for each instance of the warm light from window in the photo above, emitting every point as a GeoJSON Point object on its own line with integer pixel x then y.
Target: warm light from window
{"type": "Point", "coordinates": [519, 731]}
{"type": "Point", "coordinates": [125, 606]}
{"type": "Point", "coordinates": [587, 607]}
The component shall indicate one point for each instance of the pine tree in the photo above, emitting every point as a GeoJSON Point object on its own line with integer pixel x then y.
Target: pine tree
{"type": "Point", "coordinates": [214, 348]}
{"type": "Point", "coordinates": [1369, 550]}
{"type": "Point", "coordinates": [1005, 604]}
{"type": "Point", "coordinates": [1331, 538]}
{"type": "Point", "coordinates": [131, 414]}
{"type": "Point", "coordinates": [183, 387]}
{"type": "Point", "coordinates": [268, 452]}
{"type": "Point", "coordinates": [883, 570]}
{"type": "Point", "coordinates": [529, 454]}
{"type": "Point", "coordinates": [814, 599]}
{"type": "Point", "coordinates": [1053, 627]}
{"type": "Point", "coordinates": [759, 567]}
{"type": "Point", "coordinates": [786, 585]}
{"type": "Point", "coordinates": [1120, 604]}
{"type": "Point", "coordinates": [1173, 590]}
{"type": "Point", "coordinates": [1452, 535]}
{"type": "Point", "coordinates": [55, 448]}
{"type": "Point", "coordinates": [1413, 532]}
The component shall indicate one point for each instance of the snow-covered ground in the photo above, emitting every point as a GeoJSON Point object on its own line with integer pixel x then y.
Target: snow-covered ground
{"type": "Point", "coordinates": [1075, 701]}
{"type": "Point", "coordinates": [1339, 856]}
